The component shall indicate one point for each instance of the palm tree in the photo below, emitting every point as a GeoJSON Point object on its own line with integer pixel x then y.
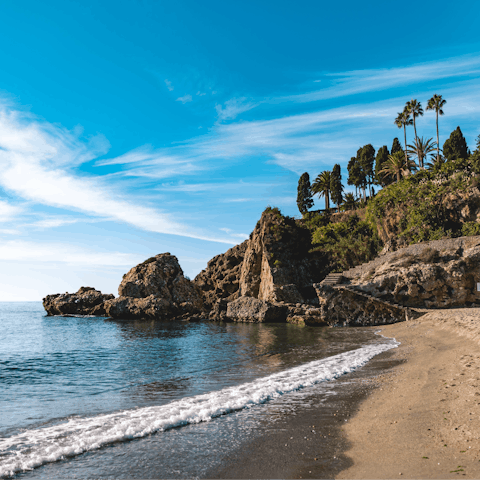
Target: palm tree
{"type": "Point", "coordinates": [403, 120]}
{"type": "Point", "coordinates": [414, 108]}
{"type": "Point", "coordinates": [321, 186]}
{"type": "Point", "coordinates": [396, 166]}
{"type": "Point", "coordinates": [422, 149]}
{"type": "Point", "coordinates": [437, 103]}
{"type": "Point", "coordinates": [349, 202]}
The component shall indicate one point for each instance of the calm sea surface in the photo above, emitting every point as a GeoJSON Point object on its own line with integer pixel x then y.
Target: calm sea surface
{"type": "Point", "coordinates": [96, 397]}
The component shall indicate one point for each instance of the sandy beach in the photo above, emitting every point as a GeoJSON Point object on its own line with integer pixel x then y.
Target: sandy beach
{"type": "Point", "coordinates": [423, 419]}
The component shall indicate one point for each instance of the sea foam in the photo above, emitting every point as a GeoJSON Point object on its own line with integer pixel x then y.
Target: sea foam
{"type": "Point", "coordinates": [35, 447]}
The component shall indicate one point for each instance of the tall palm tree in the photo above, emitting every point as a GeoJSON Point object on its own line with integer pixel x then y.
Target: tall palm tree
{"type": "Point", "coordinates": [403, 120]}
{"type": "Point", "coordinates": [437, 103]}
{"type": "Point", "coordinates": [396, 166]}
{"type": "Point", "coordinates": [321, 186]}
{"type": "Point", "coordinates": [422, 149]}
{"type": "Point", "coordinates": [414, 108]}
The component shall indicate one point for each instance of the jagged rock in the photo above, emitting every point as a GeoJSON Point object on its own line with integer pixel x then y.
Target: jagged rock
{"type": "Point", "coordinates": [219, 310]}
{"type": "Point", "coordinates": [273, 265]}
{"type": "Point", "coordinates": [221, 278]}
{"type": "Point", "coordinates": [305, 315]}
{"type": "Point", "coordinates": [342, 306]}
{"type": "Point", "coordinates": [155, 288]}
{"type": "Point", "coordinates": [248, 309]}
{"type": "Point", "coordinates": [87, 301]}
{"type": "Point", "coordinates": [436, 274]}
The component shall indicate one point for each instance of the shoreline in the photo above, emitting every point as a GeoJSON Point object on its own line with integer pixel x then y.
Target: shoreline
{"type": "Point", "coordinates": [423, 420]}
{"type": "Point", "coordinates": [308, 443]}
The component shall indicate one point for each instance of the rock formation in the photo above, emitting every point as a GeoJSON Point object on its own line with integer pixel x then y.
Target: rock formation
{"type": "Point", "coordinates": [248, 309]}
{"type": "Point", "coordinates": [341, 305]}
{"type": "Point", "coordinates": [87, 301]}
{"type": "Point", "coordinates": [436, 274]}
{"type": "Point", "coordinates": [155, 288]}
{"type": "Point", "coordinates": [274, 265]}
{"type": "Point", "coordinates": [220, 280]}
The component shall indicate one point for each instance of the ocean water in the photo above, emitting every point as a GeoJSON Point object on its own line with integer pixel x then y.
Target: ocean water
{"type": "Point", "coordinates": [96, 397]}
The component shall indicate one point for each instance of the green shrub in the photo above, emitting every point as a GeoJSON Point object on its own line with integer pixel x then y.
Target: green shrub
{"type": "Point", "coordinates": [470, 228]}
{"type": "Point", "coordinates": [350, 243]}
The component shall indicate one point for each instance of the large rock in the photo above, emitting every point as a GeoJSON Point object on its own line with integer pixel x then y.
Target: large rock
{"type": "Point", "coordinates": [248, 309]}
{"type": "Point", "coordinates": [436, 274]}
{"type": "Point", "coordinates": [87, 301]}
{"type": "Point", "coordinates": [342, 306]}
{"type": "Point", "coordinates": [155, 288]}
{"type": "Point", "coordinates": [274, 265]}
{"type": "Point", "coordinates": [220, 280]}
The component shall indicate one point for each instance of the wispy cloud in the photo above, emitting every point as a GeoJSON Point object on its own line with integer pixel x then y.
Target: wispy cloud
{"type": "Point", "coordinates": [9, 212]}
{"type": "Point", "coordinates": [169, 85]}
{"type": "Point", "coordinates": [34, 156]}
{"type": "Point", "coordinates": [185, 99]}
{"type": "Point", "coordinates": [21, 251]}
{"type": "Point", "coordinates": [361, 81]}
{"type": "Point", "coordinates": [234, 107]}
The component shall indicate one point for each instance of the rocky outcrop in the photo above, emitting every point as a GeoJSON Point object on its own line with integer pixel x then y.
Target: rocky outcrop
{"type": "Point", "coordinates": [273, 265]}
{"type": "Point", "coordinates": [220, 280]}
{"type": "Point", "coordinates": [253, 310]}
{"type": "Point", "coordinates": [87, 301]}
{"type": "Point", "coordinates": [156, 288]}
{"type": "Point", "coordinates": [343, 306]}
{"type": "Point", "coordinates": [436, 274]}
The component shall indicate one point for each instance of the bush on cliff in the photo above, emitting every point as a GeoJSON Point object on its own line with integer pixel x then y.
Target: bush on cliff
{"type": "Point", "coordinates": [350, 242]}
{"type": "Point", "coordinates": [417, 208]}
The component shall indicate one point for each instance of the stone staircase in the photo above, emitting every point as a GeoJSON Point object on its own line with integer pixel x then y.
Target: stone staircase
{"type": "Point", "coordinates": [332, 279]}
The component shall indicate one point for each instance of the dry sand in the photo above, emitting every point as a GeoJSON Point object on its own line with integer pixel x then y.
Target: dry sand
{"type": "Point", "coordinates": [423, 420]}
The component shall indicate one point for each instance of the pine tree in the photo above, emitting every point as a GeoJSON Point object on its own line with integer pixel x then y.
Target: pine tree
{"type": "Point", "coordinates": [336, 187]}
{"type": "Point", "coordinates": [380, 159]}
{"type": "Point", "coordinates": [304, 193]}
{"type": "Point", "coordinates": [367, 160]}
{"type": "Point", "coordinates": [455, 146]}
{"type": "Point", "coordinates": [354, 174]}
{"type": "Point", "coordinates": [396, 146]}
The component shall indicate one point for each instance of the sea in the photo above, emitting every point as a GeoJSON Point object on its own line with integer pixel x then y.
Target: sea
{"type": "Point", "coordinates": [93, 397]}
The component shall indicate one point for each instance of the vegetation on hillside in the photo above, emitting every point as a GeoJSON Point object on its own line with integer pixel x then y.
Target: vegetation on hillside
{"type": "Point", "coordinates": [418, 184]}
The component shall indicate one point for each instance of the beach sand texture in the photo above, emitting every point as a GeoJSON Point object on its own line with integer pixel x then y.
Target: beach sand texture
{"type": "Point", "coordinates": [423, 420]}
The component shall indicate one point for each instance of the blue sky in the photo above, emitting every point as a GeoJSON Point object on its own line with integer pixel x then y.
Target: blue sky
{"type": "Point", "coordinates": [129, 129]}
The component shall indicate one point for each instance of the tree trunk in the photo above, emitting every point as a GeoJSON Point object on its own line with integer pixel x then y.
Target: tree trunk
{"type": "Point", "coordinates": [327, 200]}
{"type": "Point", "coordinates": [405, 135]}
{"type": "Point", "coordinates": [398, 176]}
{"type": "Point", "coordinates": [420, 161]}
{"type": "Point", "coordinates": [438, 140]}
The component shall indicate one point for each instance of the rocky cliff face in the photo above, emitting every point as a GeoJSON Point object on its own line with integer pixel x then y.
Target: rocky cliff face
{"type": "Point", "coordinates": [155, 288]}
{"type": "Point", "coordinates": [87, 301]}
{"type": "Point", "coordinates": [274, 265]}
{"type": "Point", "coordinates": [221, 279]}
{"type": "Point", "coordinates": [436, 274]}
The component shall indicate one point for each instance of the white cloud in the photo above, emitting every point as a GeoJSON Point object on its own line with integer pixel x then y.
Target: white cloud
{"type": "Point", "coordinates": [9, 212]}
{"type": "Point", "coordinates": [201, 94]}
{"type": "Point", "coordinates": [33, 159]}
{"type": "Point", "coordinates": [233, 107]}
{"type": "Point", "coordinates": [169, 85]}
{"type": "Point", "coordinates": [185, 99]}
{"type": "Point", "coordinates": [54, 222]}
{"type": "Point", "coordinates": [22, 251]}
{"type": "Point", "coordinates": [361, 81]}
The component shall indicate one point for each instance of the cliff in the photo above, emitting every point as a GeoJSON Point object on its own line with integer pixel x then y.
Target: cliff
{"type": "Point", "coordinates": [274, 265]}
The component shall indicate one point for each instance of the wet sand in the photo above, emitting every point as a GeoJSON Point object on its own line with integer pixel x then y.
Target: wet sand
{"type": "Point", "coordinates": [423, 420]}
{"type": "Point", "coordinates": [309, 443]}
{"type": "Point", "coordinates": [412, 412]}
